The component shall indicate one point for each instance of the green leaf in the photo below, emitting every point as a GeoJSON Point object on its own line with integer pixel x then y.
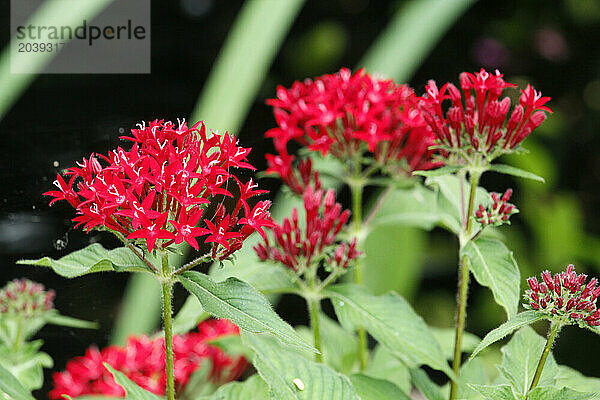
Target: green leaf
{"type": "Point", "coordinates": [392, 321]}
{"type": "Point", "coordinates": [253, 388]}
{"type": "Point", "coordinates": [133, 391]}
{"type": "Point", "coordinates": [294, 377]}
{"type": "Point", "coordinates": [422, 382]}
{"type": "Point", "coordinates": [499, 392]}
{"type": "Point", "coordinates": [576, 380]}
{"type": "Point", "coordinates": [242, 304]}
{"type": "Point", "coordinates": [520, 358]}
{"type": "Point", "coordinates": [445, 170]}
{"type": "Point", "coordinates": [189, 316]}
{"type": "Point", "coordinates": [383, 365]}
{"type": "Point", "coordinates": [516, 322]}
{"type": "Point", "coordinates": [550, 393]}
{"type": "Point", "coordinates": [445, 337]}
{"type": "Point", "coordinates": [514, 171]}
{"type": "Point", "coordinates": [70, 322]}
{"type": "Point", "coordinates": [376, 389]}
{"type": "Point", "coordinates": [93, 258]}
{"type": "Point", "coordinates": [473, 371]}
{"type": "Point", "coordinates": [494, 266]}
{"type": "Point", "coordinates": [233, 345]}
{"type": "Point", "coordinates": [10, 385]}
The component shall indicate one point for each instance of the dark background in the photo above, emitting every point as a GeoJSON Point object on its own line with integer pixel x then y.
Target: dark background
{"type": "Point", "coordinates": [62, 118]}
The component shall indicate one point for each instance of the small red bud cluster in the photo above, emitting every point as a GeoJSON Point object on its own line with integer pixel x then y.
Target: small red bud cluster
{"type": "Point", "coordinates": [25, 298]}
{"type": "Point", "coordinates": [296, 249]}
{"type": "Point", "coordinates": [565, 295]}
{"type": "Point", "coordinates": [498, 212]}
{"type": "Point", "coordinates": [298, 178]}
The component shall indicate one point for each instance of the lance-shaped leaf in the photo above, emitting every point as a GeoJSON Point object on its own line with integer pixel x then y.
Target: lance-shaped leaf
{"type": "Point", "coordinates": [242, 304]}
{"type": "Point", "coordinates": [253, 388]}
{"type": "Point", "coordinates": [93, 258]}
{"type": "Point", "coordinates": [12, 387]}
{"type": "Point", "coordinates": [498, 392]}
{"type": "Point", "coordinates": [291, 376]}
{"type": "Point", "coordinates": [133, 391]}
{"type": "Point", "coordinates": [494, 266]}
{"type": "Point", "coordinates": [520, 358]}
{"type": "Point", "coordinates": [55, 318]}
{"type": "Point", "coordinates": [445, 170]}
{"type": "Point", "coordinates": [514, 171]}
{"type": "Point", "coordinates": [376, 389]}
{"type": "Point", "coordinates": [516, 322]}
{"type": "Point", "coordinates": [392, 321]}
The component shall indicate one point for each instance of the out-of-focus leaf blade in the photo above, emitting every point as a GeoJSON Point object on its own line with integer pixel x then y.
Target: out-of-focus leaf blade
{"type": "Point", "coordinates": [133, 391]}
{"type": "Point", "coordinates": [70, 322]}
{"type": "Point", "coordinates": [514, 171]}
{"type": "Point", "coordinates": [376, 389]}
{"type": "Point", "coordinates": [12, 387]}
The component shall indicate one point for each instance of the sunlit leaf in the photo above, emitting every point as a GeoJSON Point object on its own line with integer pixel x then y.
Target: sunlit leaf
{"type": "Point", "coordinates": [514, 171]}
{"type": "Point", "coordinates": [494, 266]}
{"type": "Point", "coordinates": [93, 258]}
{"type": "Point", "coordinates": [516, 322]}
{"type": "Point", "coordinates": [242, 304]}
{"type": "Point", "coordinates": [10, 385]}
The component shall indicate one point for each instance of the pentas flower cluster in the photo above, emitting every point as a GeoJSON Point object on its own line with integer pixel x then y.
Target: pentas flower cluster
{"type": "Point", "coordinates": [345, 114]}
{"type": "Point", "coordinates": [566, 296]}
{"type": "Point", "coordinates": [498, 212]}
{"type": "Point", "coordinates": [25, 298]}
{"type": "Point", "coordinates": [298, 178]}
{"type": "Point", "coordinates": [143, 361]}
{"type": "Point", "coordinates": [478, 120]}
{"type": "Point", "coordinates": [297, 248]}
{"type": "Point", "coordinates": [160, 189]}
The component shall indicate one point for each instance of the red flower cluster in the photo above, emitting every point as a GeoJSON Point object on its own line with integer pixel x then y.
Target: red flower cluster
{"type": "Point", "coordinates": [160, 188]}
{"type": "Point", "coordinates": [498, 212]}
{"type": "Point", "coordinates": [346, 114]}
{"type": "Point", "coordinates": [565, 295]}
{"type": "Point", "coordinates": [25, 298]}
{"type": "Point", "coordinates": [296, 249]}
{"type": "Point", "coordinates": [143, 361]}
{"type": "Point", "coordinates": [297, 179]}
{"type": "Point", "coordinates": [477, 123]}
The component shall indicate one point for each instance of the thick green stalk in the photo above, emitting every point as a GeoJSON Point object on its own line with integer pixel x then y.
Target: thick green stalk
{"type": "Point", "coordinates": [356, 187]}
{"type": "Point", "coordinates": [167, 292]}
{"type": "Point", "coordinates": [314, 306]}
{"type": "Point", "coordinates": [552, 332]}
{"type": "Point", "coordinates": [463, 285]}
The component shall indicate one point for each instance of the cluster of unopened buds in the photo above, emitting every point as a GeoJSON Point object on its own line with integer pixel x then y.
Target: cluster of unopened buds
{"type": "Point", "coordinates": [565, 296]}
{"type": "Point", "coordinates": [498, 212]}
{"type": "Point", "coordinates": [25, 298]}
{"type": "Point", "coordinates": [143, 361]}
{"type": "Point", "coordinates": [296, 248]}
{"type": "Point", "coordinates": [346, 115]}
{"type": "Point", "coordinates": [158, 191]}
{"type": "Point", "coordinates": [476, 121]}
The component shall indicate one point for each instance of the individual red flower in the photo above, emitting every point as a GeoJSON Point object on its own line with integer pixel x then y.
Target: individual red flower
{"type": "Point", "coordinates": [157, 192]}
{"type": "Point", "coordinates": [296, 248]}
{"type": "Point", "coordinates": [565, 296]}
{"type": "Point", "coordinates": [143, 361]}
{"type": "Point", "coordinates": [347, 115]}
{"type": "Point", "coordinates": [476, 120]}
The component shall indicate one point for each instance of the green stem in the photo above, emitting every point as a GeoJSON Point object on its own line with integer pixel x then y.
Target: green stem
{"type": "Point", "coordinates": [463, 286]}
{"type": "Point", "coordinates": [357, 190]}
{"type": "Point", "coordinates": [552, 332]}
{"type": "Point", "coordinates": [167, 291]}
{"type": "Point", "coordinates": [314, 306]}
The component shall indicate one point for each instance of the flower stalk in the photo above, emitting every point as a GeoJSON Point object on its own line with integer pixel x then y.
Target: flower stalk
{"type": "Point", "coordinates": [314, 307]}
{"type": "Point", "coordinates": [463, 282]}
{"type": "Point", "coordinates": [167, 289]}
{"type": "Point", "coordinates": [552, 333]}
